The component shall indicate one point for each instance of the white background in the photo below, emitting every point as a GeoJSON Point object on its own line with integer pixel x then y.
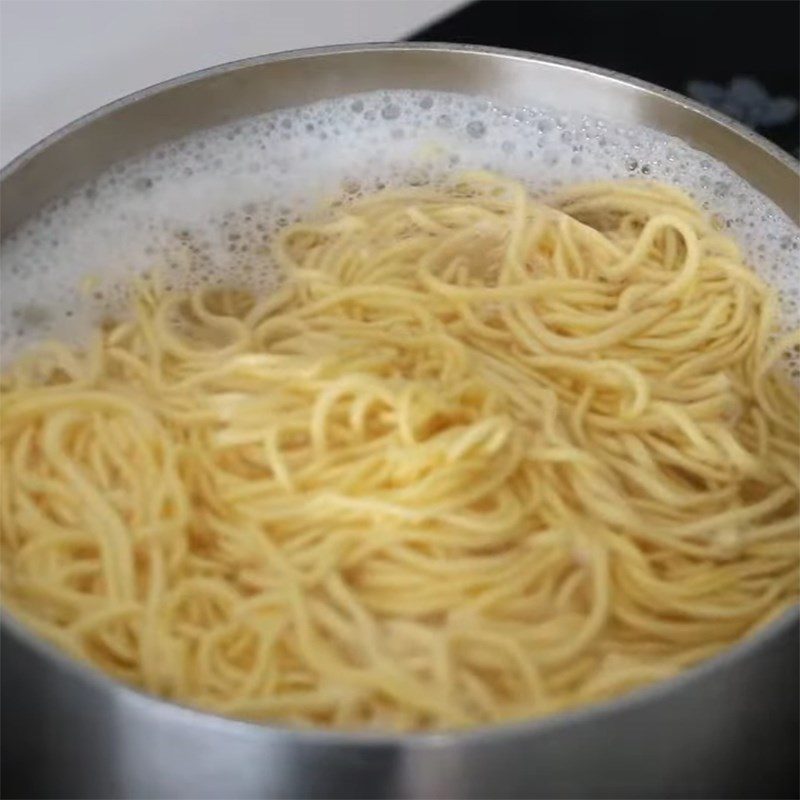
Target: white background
{"type": "Point", "coordinates": [60, 59]}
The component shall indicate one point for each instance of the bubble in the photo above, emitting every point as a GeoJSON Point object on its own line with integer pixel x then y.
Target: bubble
{"type": "Point", "coordinates": [476, 129]}
{"type": "Point", "coordinates": [392, 111]}
{"type": "Point", "coordinates": [721, 188]}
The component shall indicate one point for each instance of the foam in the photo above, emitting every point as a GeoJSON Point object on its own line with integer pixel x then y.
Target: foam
{"type": "Point", "coordinates": [203, 208]}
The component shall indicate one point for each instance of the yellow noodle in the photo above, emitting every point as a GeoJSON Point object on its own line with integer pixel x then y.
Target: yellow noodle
{"type": "Point", "coordinates": [478, 458]}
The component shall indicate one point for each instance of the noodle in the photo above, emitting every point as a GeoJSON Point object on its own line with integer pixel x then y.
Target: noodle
{"type": "Point", "coordinates": [478, 458]}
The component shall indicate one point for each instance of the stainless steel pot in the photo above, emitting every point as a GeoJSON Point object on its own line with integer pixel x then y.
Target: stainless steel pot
{"type": "Point", "coordinates": [727, 728]}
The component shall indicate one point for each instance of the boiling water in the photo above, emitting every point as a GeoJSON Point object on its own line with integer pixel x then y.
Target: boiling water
{"type": "Point", "coordinates": [203, 208]}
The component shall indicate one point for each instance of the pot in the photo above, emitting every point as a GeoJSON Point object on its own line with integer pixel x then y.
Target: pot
{"type": "Point", "coordinates": [726, 728]}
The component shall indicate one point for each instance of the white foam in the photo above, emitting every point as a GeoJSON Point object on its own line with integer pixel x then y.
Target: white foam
{"type": "Point", "coordinates": [207, 204]}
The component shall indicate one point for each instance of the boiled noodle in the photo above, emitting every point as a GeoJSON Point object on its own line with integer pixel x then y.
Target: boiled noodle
{"type": "Point", "coordinates": [479, 457]}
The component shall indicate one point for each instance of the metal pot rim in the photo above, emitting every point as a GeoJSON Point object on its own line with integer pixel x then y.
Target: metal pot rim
{"type": "Point", "coordinates": [425, 740]}
{"type": "Point", "coordinates": [313, 52]}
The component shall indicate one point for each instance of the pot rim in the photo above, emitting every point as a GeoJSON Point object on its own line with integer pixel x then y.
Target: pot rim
{"type": "Point", "coordinates": [313, 52]}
